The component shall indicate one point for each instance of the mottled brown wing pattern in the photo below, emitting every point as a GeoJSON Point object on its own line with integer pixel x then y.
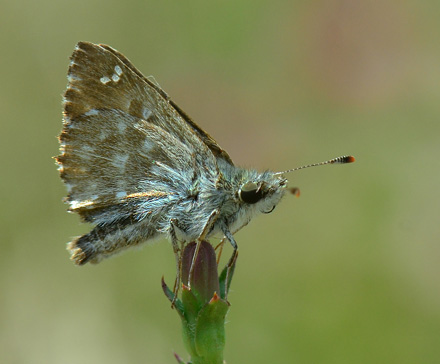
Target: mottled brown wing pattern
{"type": "Point", "coordinates": [100, 80]}
{"type": "Point", "coordinates": [205, 137]}
{"type": "Point", "coordinates": [126, 152]}
{"type": "Point", "coordinates": [116, 124]}
{"type": "Point", "coordinates": [129, 154]}
{"type": "Point", "coordinates": [106, 163]}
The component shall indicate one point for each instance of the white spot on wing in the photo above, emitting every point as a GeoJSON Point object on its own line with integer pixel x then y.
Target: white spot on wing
{"type": "Point", "coordinates": [71, 87]}
{"type": "Point", "coordinates": [93, 187]}
{"type": "Point", "coordinates": [71, 77]}
{"type": "Point", "coordinates": [121, 127]}
{"type": "Point", "coordinates": [102, 135]}
{"type": "Point", "coordinates": [121, 194]}
{"type": "Point", "coordinates": [118, 70]}
{"type": "Point", "coordinates": [148, 146]}
{"type": "Point", "coordinates": [146, 113]}
{"type": "Point", "coordinates": [120, 160]}
{"type": "Point", "coordinates": [115, 77]}
{"type": "Point", "coordinates": [104, 80]}
{"type": "Point", "coordinates": [92, 112]}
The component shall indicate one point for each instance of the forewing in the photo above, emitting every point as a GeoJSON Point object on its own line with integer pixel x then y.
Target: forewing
{"type": "Point", "coordinates": [122, 139]}
{"type": "Point", "coordinates": [205, 137]}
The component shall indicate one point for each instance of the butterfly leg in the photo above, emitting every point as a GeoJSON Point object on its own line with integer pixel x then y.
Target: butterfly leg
{"type": "Point", "coordinates": [178, 255]}
{"type": "Point", "coordinates": [206, 229]}
{"type": "Point", "coordinates": [234, 255]}
{"type": "Point", "coordinates": [220, 250]}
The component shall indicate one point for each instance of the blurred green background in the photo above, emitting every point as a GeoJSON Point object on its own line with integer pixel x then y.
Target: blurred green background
{"type": "Point", "coordinates": [348, 273]}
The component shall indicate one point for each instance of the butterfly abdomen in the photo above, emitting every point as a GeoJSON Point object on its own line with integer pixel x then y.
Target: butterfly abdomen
{"type": "Point", "coordinates": [105, 241]}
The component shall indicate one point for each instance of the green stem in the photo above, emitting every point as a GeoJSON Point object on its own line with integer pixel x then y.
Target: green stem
{"type": "Point", "coordinates": [203, 307]}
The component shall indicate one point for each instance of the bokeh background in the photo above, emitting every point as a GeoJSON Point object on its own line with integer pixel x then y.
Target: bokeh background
{"type": "Point", "coordinates": [347, 273]}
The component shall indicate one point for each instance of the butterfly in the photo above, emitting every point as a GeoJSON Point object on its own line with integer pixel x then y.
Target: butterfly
{"type": "Point", "coordinates": [137, 167]}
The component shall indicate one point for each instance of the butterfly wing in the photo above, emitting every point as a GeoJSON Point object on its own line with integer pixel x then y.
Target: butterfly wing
{"type": "Point", "coordinates": [128, 153]}
{"type": "Point", "coordinates": [116, 123]}
{"type": "Point", "coordinates": [206, 138]}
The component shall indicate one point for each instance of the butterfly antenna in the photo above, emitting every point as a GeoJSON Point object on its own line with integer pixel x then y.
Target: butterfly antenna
{"type": "Point", "coordinates": [340, 160]}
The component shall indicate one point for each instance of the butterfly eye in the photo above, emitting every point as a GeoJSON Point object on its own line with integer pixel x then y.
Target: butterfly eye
{"type": "Point", "coordinates": [250, 193]}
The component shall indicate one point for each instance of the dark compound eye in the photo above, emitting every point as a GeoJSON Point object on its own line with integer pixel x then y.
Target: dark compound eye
{"type": "Point", "coordinates": [250, 193]}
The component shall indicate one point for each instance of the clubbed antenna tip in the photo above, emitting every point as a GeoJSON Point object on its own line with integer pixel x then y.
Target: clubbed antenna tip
{"type": "Point", "coordinates": [344, 159]}
{"type": "Point", "coordinates": [340, 160]}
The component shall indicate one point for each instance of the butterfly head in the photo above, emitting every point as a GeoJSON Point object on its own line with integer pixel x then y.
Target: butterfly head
{"type": "Point", "coordinates": [266, 190]}
{"type": "Point", "coordinates": [263, 191]}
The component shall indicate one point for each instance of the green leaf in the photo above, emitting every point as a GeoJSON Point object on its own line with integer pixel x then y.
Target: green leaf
{"type": "Point", "coordinates": [170, 295]}
{"type": "Point", "coordinates": [224, 288]}
{"type": "Point", "coordinates": [210, 331]}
